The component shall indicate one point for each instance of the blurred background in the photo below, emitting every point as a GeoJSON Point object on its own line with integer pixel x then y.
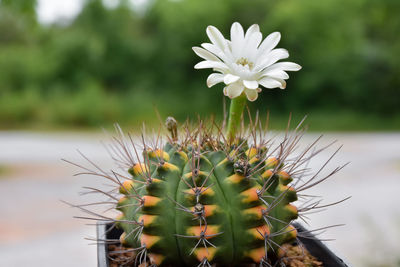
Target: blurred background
{"type": "Point", "coordinates": [91, 63]}
{"type": "Point", "coordinates": [70, 68]}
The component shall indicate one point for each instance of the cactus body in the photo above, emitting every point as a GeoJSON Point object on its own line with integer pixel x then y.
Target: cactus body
{"type": "Point", "coordinates": [202, 200]}
{"type": "Point", "coordinates": [199, 204]}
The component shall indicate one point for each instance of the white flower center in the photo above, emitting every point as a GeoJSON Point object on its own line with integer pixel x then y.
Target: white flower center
{"type": "Point", "coordinates": [245, 62]}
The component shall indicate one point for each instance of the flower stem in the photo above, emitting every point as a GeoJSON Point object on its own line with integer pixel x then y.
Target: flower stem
{"type": "Point", "coordinates": [235, 113]}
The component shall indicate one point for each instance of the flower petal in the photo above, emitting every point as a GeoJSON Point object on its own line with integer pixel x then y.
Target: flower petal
{"type": "Point", "coordinates": [214, 78]}
{"type": "Point", "coordinates": [237, 32]}
{"type": "Point", "coordinates": [279, 74]}
{"type": "Point", "coordinates": [223, 55]}
{"type": "Point", "coordinates": [216, 37]}
{"type": "Point", "coordinates": [229, 78]}
{"type": "Point", "coordinates": [212, 48]}
{"type": "Point", "coordinates": [201, 52]}
{"type": "Point", "coordinates": [268, 82]}
{"type": "Point", "coordinates": [250, 84]}
{"type": "Point", "coordinates": [251, 44]}
{"type": "Point", "coordinates": [286, 66]}
{"type": "Point", "coordinates": [233, 90]}
{"type": "Point", "coordinates": [283, 83]}
{"type": "Point", "coordinates": [246, 63]}
{"type": "Point", "coordinates": [269, 43]}
{"type": "Point", "coordinates": [237, 38]}
{"type": "Point", "coordinates": [210, 64]}
{"type": "Point", "coordinates": [270, 58]}
{"type": "Point", "coordinates": [225, 91]}
{"type": "Point", "coordinates": [252, 29]}
{"type": "Point", "coordinates": [252, 95]}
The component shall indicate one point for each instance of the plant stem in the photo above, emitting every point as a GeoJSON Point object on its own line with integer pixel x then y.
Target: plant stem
{"type": "Point", "coordinates": [235, 113]}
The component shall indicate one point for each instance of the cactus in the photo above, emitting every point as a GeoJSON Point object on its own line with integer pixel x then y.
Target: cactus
{"type": "Point", "coordinates": [201, 204]}
{"type": "Point", "coordinates": [201, 200]}
{"type": "Point", "coordinates": [207, 198]}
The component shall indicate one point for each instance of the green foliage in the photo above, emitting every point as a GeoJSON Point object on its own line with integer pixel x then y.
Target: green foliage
{"type": "Point", "coordinates": [24, 7]}
{"type": "Point", "coordinates": [137, 60]}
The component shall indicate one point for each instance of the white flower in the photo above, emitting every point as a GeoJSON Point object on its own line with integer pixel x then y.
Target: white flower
{"type": "Point", "coordinates": [244, 62]}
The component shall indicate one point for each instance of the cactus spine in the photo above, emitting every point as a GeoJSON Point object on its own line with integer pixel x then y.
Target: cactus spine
{"type": "Point", "coordinates": [201, 201]}
{"type": "Point", "coordinates": [205, 198]}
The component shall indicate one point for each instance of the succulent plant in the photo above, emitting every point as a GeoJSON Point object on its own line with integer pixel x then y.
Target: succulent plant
{"type": "Point", "coordinates": [205, 197]}
{"type": "Point", "coordinates": [200, 199]}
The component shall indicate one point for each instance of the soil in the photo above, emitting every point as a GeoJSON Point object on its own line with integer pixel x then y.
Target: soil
{"type": "Point", "coordinates": [294, 256]}
{"type": "Point", "coordinates": [298, 256]}
{"type": "Point", "coordinates": [120, 256]}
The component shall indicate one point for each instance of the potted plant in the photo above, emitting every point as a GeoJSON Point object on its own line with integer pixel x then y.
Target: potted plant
{"type": "Point", "coordinates": [214, 194]}
{"type": "Point", "coordinates": [320, 251]}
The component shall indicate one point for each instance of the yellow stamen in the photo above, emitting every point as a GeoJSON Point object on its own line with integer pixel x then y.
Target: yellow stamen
{"type": "Point", "coordinates": [244, 61]}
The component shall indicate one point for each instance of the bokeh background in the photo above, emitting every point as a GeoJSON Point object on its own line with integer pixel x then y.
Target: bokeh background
{"type": "Point", "coordinates": [70, 68]}
{"type": "Point", "coordinates": [117, 61]}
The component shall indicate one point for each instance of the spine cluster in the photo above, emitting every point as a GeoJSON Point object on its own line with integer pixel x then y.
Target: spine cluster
{"type": "Point", "coordinates": [201, 200]}
{"type": "Point", "coordinates": [189, 205]}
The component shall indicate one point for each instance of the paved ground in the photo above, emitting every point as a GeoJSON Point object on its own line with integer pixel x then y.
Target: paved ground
{"type": "Point", "coordinates": [36, 229]}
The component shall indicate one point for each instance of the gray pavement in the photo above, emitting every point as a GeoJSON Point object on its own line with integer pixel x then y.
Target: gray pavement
{"type": "Point", "coordinates": [37, 229]}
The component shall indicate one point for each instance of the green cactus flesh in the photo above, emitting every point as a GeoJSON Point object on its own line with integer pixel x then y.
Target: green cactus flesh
{"type": "Point", "coordinates": [192, 205]}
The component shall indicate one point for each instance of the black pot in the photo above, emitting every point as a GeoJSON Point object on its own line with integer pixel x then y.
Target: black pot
{"type": "Point", "coordinates": [314, 246]}
{"type": "Point", "coordinates": [319, 249]}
